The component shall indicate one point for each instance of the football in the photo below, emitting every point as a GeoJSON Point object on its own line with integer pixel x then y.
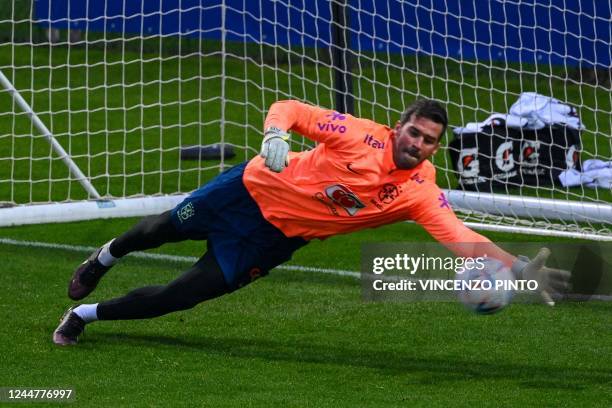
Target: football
{"type": "Point", "coordinates": [486, 288]}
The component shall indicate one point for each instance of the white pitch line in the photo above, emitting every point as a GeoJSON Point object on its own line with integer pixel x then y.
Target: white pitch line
{"type": "Point", "coordinates": [167, 257]}
{"type": "Point", "coordinates": [192, 259]}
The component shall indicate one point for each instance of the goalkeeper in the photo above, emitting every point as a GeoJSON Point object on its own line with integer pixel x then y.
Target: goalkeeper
{"type": "Point", "coordinates": [255, 215]}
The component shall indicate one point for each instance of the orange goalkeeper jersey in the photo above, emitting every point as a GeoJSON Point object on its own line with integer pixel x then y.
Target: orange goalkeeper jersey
{"type": "Point", "coordinates": [348, 182]}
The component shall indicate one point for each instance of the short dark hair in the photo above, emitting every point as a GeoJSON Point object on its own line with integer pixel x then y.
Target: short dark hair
{"type": "Point", "coordinates": [426, 108]}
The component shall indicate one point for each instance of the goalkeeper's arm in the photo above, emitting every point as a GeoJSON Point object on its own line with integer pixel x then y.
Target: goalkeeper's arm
{"type": "Point", "coordinates": [442, 223]}
{"type": "Point", "coordinates": [282, 117]}
{"type": "Point", "coordinates": [275, 149]}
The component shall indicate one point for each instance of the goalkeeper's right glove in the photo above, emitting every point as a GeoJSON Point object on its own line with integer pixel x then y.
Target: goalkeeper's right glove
{"type": "Point", "coordinates": [551, 282]}
{"type": "Point", "coordinates": [275, 149]}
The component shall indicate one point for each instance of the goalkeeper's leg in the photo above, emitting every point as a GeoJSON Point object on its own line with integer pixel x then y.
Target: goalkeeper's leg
{"type": "Point", "coordinates": [150, 232]}
{"type": "Point", "coordinates": [203, 281]}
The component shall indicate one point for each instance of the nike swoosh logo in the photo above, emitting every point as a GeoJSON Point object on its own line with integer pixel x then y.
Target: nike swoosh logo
{"type": "Point", "coordinates": [348, 167]}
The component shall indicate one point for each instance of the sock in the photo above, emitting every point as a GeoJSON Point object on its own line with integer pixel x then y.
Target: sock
{"type": "Point", "coordinates": [89, 313]}
{"type": "Point", "coordinates": [105, 257]}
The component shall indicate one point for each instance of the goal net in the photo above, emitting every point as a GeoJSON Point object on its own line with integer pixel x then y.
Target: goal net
{"type": "Point", "coordinates": [100, 100]}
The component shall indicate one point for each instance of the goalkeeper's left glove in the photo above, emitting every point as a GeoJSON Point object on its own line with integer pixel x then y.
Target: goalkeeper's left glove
{"type": "Point", "coordinates": [551, 282]}
{"type": "Point", "coordinates": [275, 149]}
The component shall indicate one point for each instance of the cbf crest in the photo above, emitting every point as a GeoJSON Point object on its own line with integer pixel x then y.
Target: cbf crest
{"type": "Point", "coordinates": [186, 212]}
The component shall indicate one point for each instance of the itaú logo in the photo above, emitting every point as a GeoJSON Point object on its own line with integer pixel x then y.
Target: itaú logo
{"type": "Point", "coordinates": [373, 142]}
{"type": "Point", "coordinates": [345, 198]}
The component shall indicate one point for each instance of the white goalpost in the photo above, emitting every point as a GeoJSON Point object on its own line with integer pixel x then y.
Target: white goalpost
{"type": "Point", "coordinates": [57, 148]}
{"type": "Point", "coordinates": [100, 101]}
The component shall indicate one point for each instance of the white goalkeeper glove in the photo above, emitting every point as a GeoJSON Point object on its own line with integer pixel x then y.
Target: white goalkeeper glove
{"type": "Point", "coordinates": [551, 282]}
{"type": "Point", "coordinates": [275, 149]}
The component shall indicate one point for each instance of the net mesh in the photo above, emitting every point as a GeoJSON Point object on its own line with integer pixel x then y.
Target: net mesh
{"type": "Point", "coordinates": [124, 86]}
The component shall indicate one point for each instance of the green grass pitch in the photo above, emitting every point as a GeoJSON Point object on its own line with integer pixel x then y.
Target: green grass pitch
{"type": "Point", "coordinates": [292, 338]}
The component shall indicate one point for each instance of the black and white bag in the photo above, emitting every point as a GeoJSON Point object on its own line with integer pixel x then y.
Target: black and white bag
{"type": "Point", "coordinates": [496, 156]}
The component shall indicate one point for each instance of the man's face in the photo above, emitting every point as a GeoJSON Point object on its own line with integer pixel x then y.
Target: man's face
{"type": "Point", "coordinates": [416, 141]}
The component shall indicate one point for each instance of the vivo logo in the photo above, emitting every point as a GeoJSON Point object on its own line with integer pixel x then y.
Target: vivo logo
{"type": "Point", "coordinates": [330, 127]}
